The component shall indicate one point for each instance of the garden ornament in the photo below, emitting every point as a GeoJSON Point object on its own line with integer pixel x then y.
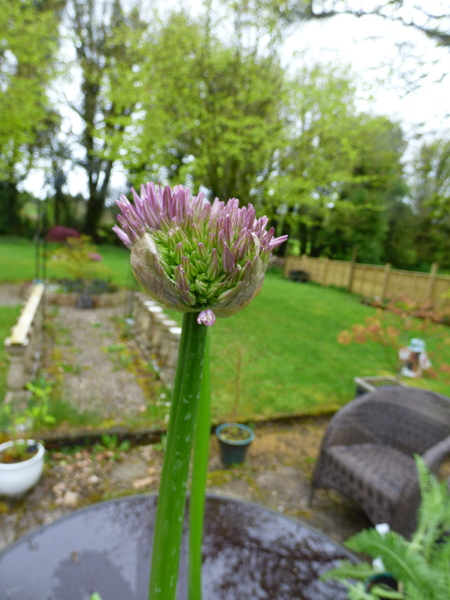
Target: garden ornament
{"type": "Point", "coordinates": [206, 261]}
{"type": "Point", "coordinates": [414, 359]}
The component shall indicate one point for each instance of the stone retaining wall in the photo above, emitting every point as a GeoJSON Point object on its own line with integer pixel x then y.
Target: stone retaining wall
{"type": "Point", "coordinates": [157, 336]}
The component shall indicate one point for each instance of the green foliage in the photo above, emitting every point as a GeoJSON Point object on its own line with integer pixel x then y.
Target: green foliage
{"type": "Point", "coordinates": [431, 196]}
{"type": "Point", "coordinates": [76, 257]}
{"type": "Point", "coordinates": [28, 48]}
{"type": "Point", "coordinates": [17, 262]}
{"type": "Point", "coordinates": [109, 53]}
{"type": "Point", "coordinates": [38, 409]}
{"type": "Point", "coordinates": [338, 169]}
{"type": "Point", "coordinates": [215, 117]}
{"type": "Point", "coordinates": [110, 443]}
{"type": "Point", "coordinates": [420, 566]}
{"type": "Point", "coordinates": [31, 418]}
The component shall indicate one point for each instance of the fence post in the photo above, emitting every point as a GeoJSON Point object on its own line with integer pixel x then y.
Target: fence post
{"type": "Point", "coordinates": [352, 269]}
{"type": "Point", "coordinates": [432, 277]}
{"type": "Point", "coordinates": [304, 261]}
{"type": "Point", "coordinates": [286, 266]}
{"type": "Point", "coordinates": [387, 269]}
{"type": "Point", "coordinates": [325, 271]}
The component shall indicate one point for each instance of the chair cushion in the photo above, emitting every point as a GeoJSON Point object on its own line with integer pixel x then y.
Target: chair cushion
{"type": "Point", "coordinates": [374, 468]}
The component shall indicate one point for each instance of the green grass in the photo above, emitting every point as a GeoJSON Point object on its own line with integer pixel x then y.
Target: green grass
{"type": "Point", "coordinates": [17, 262]}
{"type": "Point", "coordinates": [8, 316]}
{"type": "Point", "coordinates": [292, 362]}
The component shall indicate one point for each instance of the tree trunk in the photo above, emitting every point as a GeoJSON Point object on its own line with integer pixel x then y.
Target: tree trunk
{"type": "Point", "coordinates": [9, 201]}
{"type": "Point", "coordinates": [96, 201]}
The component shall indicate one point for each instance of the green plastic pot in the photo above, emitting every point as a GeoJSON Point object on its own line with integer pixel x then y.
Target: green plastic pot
{"type": "Point", "coordinates": [233, 451]}
{"type": "Point", "coordinates": [386, 579]}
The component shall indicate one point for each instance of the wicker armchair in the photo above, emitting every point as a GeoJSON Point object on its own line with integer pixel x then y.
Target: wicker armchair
{"type": "Point", "coordinates": [368, 451]}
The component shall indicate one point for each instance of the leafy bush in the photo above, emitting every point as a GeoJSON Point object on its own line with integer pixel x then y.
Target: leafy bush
{"type": "Point", "coordinates": [420, 566]}
{"type": "Point", "coordinates": [77, 255]}
{"type": "Point", "coordinates": [61, 234]}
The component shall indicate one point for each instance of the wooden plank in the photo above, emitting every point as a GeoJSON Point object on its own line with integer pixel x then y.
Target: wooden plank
{"type": "Point", "coordinates": [20, 331]}
{"type": "Point", "coordinates": [433, 273]}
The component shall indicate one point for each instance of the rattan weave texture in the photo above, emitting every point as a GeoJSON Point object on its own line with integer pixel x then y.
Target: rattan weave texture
{"type": "Point", "coordinates": [368, 449]}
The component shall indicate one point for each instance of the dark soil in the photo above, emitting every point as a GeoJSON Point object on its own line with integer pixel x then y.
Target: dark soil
{"type": "Point", "coordinates": [14, 455]}
{"type": "Point", "coordinates": [234, 434]}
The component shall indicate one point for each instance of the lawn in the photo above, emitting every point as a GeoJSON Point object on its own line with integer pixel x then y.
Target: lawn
{"type": "Point", "coordinates": [291, 361]}
{"type": "Point", "coordinates": [17, 262]}
{"type": "Point", "coordinates": [8, 316]}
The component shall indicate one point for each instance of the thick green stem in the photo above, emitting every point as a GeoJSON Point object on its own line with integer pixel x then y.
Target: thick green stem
{"type": "Point", "coordinates": [172, 491]}
{"type": "Point", "coordinates": [198, 484]}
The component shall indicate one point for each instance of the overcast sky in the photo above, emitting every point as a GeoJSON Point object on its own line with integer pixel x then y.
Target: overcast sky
{"type": "Point", "coordinates": [368, 45]}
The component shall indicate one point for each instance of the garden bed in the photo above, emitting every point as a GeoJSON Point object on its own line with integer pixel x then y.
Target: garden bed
{"type": "Point", "coordinates": [100, 300]}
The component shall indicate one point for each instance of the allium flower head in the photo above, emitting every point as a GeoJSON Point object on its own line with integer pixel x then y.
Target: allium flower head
{"type": "Point", "coordinates": [193, 256]}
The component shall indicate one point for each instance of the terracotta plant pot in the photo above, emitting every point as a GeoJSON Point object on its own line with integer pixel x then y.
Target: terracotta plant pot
{"type": "Point", "coordinates": [233, 451]}
{"type": "Point", "coordinates": [18, 478]}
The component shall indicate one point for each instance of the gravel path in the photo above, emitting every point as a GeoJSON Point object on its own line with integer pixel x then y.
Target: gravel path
{"type": "Point", "coordinates": [10, 294]}
{"type": "Point", "coordinates": [96, 383]}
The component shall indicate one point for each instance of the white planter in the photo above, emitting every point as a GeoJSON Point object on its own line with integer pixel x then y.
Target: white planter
{"type": "Point", "coordinates": [18, 478]}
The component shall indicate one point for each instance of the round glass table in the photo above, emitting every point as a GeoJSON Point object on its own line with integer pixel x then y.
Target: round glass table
{"type": "Point", "coordinates": [248, 552]}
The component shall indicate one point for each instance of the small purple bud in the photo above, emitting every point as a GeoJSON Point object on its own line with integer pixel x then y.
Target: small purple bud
{"type": "Point", "coordinates": [179, 253]}
{"type": "Point", "coordinates": [228, 263]}
{"type": "Point", "coordinates": [220, 241]}
{"type": "Point", "coordinates": [277, 242]}
{"type": "Point", "coordinates": [186, 264]}
{"type": "Point", "coordinates": [122, 236]}
{"type": "Point", "coordinates": [202, 252]}
{"type": "Point", "coordinates": [214, 268]}
{"type": "Point", "coordinates": [228, 231]}
{"type": "Point", "coordinates": [206, 317]}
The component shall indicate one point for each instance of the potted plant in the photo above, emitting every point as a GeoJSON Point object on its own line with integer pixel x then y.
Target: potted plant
{"type": "Point", "coordinates": [234, 438]}
{"type": "Point", "coordinates": [22, 459]}
{"type": "Point", "coordinates": [392, 328]}
{"type": "Point", "coordinates": [21, 465]}
{"type": "Point", "coordinates": [402, 569]}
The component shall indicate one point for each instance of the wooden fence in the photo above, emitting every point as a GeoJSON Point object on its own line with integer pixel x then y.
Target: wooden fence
{"type": "Point", "coordinates": [371, 280]}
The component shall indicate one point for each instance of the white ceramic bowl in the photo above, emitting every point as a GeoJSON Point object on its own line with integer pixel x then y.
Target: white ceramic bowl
{"type": "Point", "coordinates": [18, 478]}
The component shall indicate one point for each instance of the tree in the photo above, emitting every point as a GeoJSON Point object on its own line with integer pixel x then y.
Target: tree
{"type": "Point", "coordinates": [432, 23]}
{"type": "Point", "coordinates": [377, 182]}
{"type": "Point", "coordinates": [431, 201]}
{"type": "Point", "coordinates": [109, 48]}
{"type": "Point", "coordinates": [213, 112]}
{"type": "Point", "coordinates": [339, 169]}
{"type": "Point", "coordinates": [29, 44]}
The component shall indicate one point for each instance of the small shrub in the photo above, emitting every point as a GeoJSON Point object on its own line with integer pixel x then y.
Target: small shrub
{"type": "Point", "coordinates": [61, 234]}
